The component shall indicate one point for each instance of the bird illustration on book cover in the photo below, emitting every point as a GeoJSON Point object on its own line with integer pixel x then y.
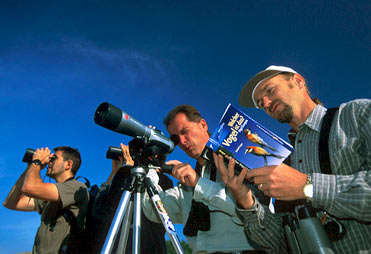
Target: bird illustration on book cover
{"type": "Point", "coordinates": [251, 144]}
{"type": "Point", "coordinates": [259, 151]}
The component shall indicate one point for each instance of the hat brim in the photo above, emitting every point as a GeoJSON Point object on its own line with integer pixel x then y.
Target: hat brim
{"type": "Point", "coordinates": [245, 98]}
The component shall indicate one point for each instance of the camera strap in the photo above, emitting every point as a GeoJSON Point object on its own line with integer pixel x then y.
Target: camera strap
{"type": "Point", "coordinates": [282, 206]}
{"type": "Point", "coordinates": [333, 227]}
{"type": "Point", "coordinates": [199, 215]}
{"type": "Point", "coordinates": [323, 144]}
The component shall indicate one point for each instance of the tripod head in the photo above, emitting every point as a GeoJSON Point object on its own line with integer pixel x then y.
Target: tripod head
{"type": "Point", "coordinates": [145, 153]}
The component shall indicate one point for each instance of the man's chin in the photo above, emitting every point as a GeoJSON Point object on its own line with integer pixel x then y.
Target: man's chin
{"type": "Point", "coordinates": [286, 115]}
{"type": "Point", "coordinates": [192, 154]}
{"type": "Point", "coordinates": [49, 173]}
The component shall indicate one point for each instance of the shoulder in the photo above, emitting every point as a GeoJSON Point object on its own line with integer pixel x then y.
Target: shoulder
{"type": "Point", "coordinates": [73, 192]}
{"type": "Point", "coordinates": [356, 106]}
{"type": "Point", "coordinates": [358, 110]}
{"type": "Point", "coordinates": [72, 187]}
{"type": "Point", "coordinates": [72, 184]}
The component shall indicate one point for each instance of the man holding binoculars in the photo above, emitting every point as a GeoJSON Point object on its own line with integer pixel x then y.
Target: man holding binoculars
{"type": "Point", "coordinates": [51, 200]}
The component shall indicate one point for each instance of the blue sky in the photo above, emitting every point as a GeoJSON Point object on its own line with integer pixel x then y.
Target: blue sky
{"type": "Point", "coordinates": [60, 59]}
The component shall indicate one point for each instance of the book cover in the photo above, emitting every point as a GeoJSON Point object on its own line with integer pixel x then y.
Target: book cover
{"type": "Point", "coordinates": [247, 141]}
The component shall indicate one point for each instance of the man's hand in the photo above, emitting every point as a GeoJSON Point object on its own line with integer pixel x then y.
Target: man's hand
{"type": "Point", "coordinates": [126, 153]}
{"type": "Point", "coordinates": [125, 158]}
{"type": "Point", "coordinates": [281, 182]}
{"type": "Point", "coordinates": [184, 173]}
{"type": "Point", "coordinates": [42, 154]}
{"type": "Point", "coordinates": [235, 183]}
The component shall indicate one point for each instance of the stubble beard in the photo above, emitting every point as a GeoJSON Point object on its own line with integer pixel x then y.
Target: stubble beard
{"type": "Point", "coordinates": [286, 114]}
{"type": "Point", "coordinates": [53, 173]}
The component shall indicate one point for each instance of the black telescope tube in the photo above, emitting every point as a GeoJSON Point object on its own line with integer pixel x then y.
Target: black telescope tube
{"type": "Point", "coordinates": [108, 116]}
{"type": "Point", "coordinates": [115, 119]}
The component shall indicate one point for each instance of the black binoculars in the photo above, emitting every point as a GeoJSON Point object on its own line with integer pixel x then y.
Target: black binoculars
{"type": "Point", "coordinates": [113, 153]}
{"type": "Point", "coordinates": [28, 155]}
{"type": "Point", "coordinates": [305, 233]}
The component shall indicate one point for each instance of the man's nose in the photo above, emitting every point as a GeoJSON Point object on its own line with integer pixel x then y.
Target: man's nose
{"type": "Point", "coordinates": [266, 101]}
{"type": "Point", "coordinates": [182, 140]}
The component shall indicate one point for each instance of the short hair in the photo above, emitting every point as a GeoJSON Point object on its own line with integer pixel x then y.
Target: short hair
{"type": "Point", "coordinates": [289, 75]}
{"type": "Point", "coordinates": [69, 153]}
{"type": "Point", "coordinates": [189, 111]}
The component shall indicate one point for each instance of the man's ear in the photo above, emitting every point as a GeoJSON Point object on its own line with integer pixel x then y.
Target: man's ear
{"type": "Point", "coordinates": [203, 124]}
{"type": "Point", "coordinates": [299, 80]}
{"type": "Point", "coordinates": [69, 165]}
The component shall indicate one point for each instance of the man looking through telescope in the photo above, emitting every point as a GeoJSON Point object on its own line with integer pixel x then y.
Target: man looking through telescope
{"type": "Point", "coordinates": [30, 193]}
{"type": "Point", "coordinates": [200, 201]}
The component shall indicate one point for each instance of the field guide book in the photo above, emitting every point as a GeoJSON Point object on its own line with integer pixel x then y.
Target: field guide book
{"type": "Point", "coordinates": [247, 141]}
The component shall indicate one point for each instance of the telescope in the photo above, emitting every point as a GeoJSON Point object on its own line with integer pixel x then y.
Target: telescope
{"type": "Point", "coordinates": [113, 118]}
{"type": "Point", "coordinates": [148, 150]}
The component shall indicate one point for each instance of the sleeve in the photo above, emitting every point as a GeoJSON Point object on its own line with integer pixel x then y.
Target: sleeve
{"type": "Point", "coordinates": [216, 197]}
{"type": "Point", "coordinates": [39, 205]}
{"type": "Point", "coordinates": [348, 193]}
{"type": "Point", "coordinates": [170, 198]}
{"type": "Point", "coordinates": [72, 192]}
{"type": "Point", "coordinates": [264, 228]}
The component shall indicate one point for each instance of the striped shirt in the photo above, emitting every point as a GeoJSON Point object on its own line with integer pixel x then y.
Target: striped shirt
{"type": "Point", "coordinates": [346, 193]}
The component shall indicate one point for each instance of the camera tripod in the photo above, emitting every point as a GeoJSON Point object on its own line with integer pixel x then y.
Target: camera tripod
{"type": "Point", "coordinates": [129, 212]}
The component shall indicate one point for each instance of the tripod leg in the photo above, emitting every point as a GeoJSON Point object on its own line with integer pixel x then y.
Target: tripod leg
{"type": "Point", "coordinates": [168, 225]}
{"type": "Point", "coordinates": [116, 223]}
{"type": "Point", "coordinates": [137, 223]}
{"type": "Point", "coordinates": [125, 229]}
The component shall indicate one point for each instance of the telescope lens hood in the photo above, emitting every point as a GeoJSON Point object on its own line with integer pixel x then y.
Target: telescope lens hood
{"type": "Point", "coordinates": [108, 116]}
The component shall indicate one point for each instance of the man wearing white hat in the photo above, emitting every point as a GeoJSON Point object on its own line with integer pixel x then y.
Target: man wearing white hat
{"type": "Point", "coordinates": [342, 187]}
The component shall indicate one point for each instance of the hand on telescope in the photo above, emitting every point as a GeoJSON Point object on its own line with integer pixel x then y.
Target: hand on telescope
{"type": "Point", "coordinates": [184, 173]}
{"type": "Point", "coordinates": [42, 154]}
{"type": "Point", "coordinates": [239, 190]}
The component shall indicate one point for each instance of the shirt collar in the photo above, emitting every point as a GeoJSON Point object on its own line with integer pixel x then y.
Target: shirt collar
{"type": "Point", "coordinates": [314, 119]}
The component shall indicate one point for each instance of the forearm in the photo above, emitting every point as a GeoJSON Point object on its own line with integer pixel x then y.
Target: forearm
{"type": "Point", "coordinates": [264, 228]}
{"type": "Point", "coordinates": [335, 192]}
{"type": "Point", "coordinates": [215, 196]}
{"type": "Point", "coordinates": [15, 193]}
{"type": "Point", "coordinates": [110, 178]}
{"type": "Point", "coordinates": [32, 178]}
